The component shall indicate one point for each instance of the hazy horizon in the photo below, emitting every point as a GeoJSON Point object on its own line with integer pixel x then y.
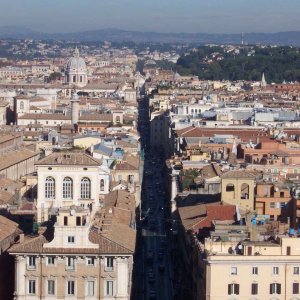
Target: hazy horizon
{"type": "Point", "coordinates": [165, 16]}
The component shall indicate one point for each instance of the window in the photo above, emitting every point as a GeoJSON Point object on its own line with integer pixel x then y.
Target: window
{"type": "Point", "coordinates": [275, 288]}
{"type": "Point", "coordinates": [282, 204]}
{"type": "Point", "coordinates": [254, 289]}
{"type": "Point", "coordinates": [71, 239]}
{"type": "Point", "coordinates": [71, 287]}
{"type": "Point", "coordinates": [275, 270]}
{"type": "Point", "coordinates": [288, 250]}
{"type": "Point", "coordinates": [71, 263]}
{"type": "Point", "coordinates": [31, 287]}
{"type": "Point", "coordinates": [51, 287]}
{"type": "Point", "coordinates": [296, 270]}
{"type": "Point", "coordinates": [67, 188]}
{"type": "Point", "coordinates": [272, 204]}
{"type": "Point", "coordinates": [90, 261]}
{"type": "Point", "coordinates": [255, 271]}
{"type": "Point", "coordinates": [249, 250]}
{"type": "Point", "coordinates": [85, 188]}
{"type": "Point", "coordinates": [229, 187]}
{"type": "Point", "coordinates": [109, 263]}
{"type": "Point", "coordinates": [65, 221]}
{"type": "Point", "coordinates": [50, 260]}
{"type": "Point", "coordinates": [21, 105]}
{"type": "Point", "coordinates": [295, 288]}
{"type": "Point", "coordinates": [91, 288]}
{"type": "Point", "coordinates": [31, 262]}
{"type": "Point", "coordinates": [245, 191]}
{"type": "Point", "coordinates": [109, 288]}
{"type": "Point", "coordinates": [78, 221]}
{"type": "Point", "coordinates": [281, 194]}
{"type": "Point", "coordinates": [49, 188]}
{"type": "Point", "coordinates": [233, 270]}
{"type": "Point", "coordinates": [233, 289]}
{"type": "Point", "coordinates": [102, 185]}
{"type": "Point", "coordinates": [131, 179]}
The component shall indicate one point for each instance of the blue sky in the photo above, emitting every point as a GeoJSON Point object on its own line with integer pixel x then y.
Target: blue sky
{"type": "Point", "coordinates": [210, 16]}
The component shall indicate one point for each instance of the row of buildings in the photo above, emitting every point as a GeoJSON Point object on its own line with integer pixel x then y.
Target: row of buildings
{"type": "Point", "coordinates": [232, 158]}
{"type": "Point", "coordinates": [70, 186]}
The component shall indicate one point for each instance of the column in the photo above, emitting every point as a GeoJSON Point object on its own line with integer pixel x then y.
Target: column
{"type": "Point", "coordinates": [20, 282]}
{"type": "Point", "coordinates": [122, 278]}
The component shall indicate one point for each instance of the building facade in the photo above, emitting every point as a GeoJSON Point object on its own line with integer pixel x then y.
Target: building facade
{"type": "Point", "coordinates": [257, 270]}
{"type": "Point", "coordinates": [69, 179]}
{"type": "Point", "coordinates": [88, 252]}
{"type": "Point", "coordinates": [77, 263]}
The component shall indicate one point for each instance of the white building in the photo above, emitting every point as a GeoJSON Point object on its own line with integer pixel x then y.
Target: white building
{"type": "Point", "coordinates": [69, 179]}
{"type": "Point", "coordinates": [88, 254]}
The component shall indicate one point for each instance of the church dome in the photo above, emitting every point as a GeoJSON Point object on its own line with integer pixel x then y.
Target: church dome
{"type": "Point", "coordinates": [75, 64]}
{"type": "Point", "coordinates": [76, 71]}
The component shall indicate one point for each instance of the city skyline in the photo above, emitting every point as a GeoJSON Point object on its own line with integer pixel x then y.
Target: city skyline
{"type": "Point", "coordinates": [232, 16]}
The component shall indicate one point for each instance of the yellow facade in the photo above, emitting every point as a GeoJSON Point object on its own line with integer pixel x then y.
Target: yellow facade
{"type": "Point", "coordinates": [268, 263]}
{"type": "Point", "coordinates": [238, 189]}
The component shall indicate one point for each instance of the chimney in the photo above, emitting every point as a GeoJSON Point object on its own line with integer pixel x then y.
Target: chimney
{"type": "Point", "coordinates": [21, 238]}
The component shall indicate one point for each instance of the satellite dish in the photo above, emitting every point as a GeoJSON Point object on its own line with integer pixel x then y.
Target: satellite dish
{"type": "Point", "coordinates": [72, 212]}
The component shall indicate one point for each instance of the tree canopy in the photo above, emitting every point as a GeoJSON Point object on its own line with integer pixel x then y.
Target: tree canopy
{"type": "Point", "coordinates": [242, 63]}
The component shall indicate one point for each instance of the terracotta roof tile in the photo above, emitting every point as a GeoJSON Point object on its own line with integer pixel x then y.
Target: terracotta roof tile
{"type": "Point", "coordinates": [14, 157]}
{"type": "Point", "coordinates": [7, 228]}
{"type": "Point", "coordinates": [238, 174]}
{"type": "Point", "coordinates": [44, 117]}
{"type": "Point", "coordinates": [70, 158]}
{"type": "Point", "coordinates": [38, 244]}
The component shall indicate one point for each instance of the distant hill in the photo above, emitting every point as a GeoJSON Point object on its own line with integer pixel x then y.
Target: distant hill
{"type": "Point", "coordinates": [291, 38]}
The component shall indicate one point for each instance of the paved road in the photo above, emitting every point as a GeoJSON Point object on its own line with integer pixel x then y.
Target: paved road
{"type": "Point", "coordinates": [153, 280]}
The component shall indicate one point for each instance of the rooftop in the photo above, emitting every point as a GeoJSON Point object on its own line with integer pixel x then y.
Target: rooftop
{"type": "Point", "coordinates": [70, 158]}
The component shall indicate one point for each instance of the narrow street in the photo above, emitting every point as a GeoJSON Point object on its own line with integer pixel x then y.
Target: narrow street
{"type": "Point", "coordinates": [153, 269]}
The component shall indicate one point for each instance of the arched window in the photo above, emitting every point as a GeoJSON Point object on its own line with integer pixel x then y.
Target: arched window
{"type": "Point", "coordinates": [50, 187]}
{"type": "Point", "coordinates": [245, 191]}
{"type": "Point", "coordinates": [102, 185]}
{"type": "Point", "coordinates": [67, 188]}
{"type": "Point", "coordinates": [22, 105]}
{"type": "Point", "coordinates": [85, 188]}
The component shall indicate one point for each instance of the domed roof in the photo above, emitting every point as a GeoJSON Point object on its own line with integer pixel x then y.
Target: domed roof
{"type": "Point", "coordinates": [75, 63]}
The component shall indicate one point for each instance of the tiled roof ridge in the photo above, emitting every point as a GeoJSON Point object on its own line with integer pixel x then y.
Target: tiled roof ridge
{"type": "Point", "coordinates": [57, 155]}
{"type": "Point", "coordinates": [110, 240]}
